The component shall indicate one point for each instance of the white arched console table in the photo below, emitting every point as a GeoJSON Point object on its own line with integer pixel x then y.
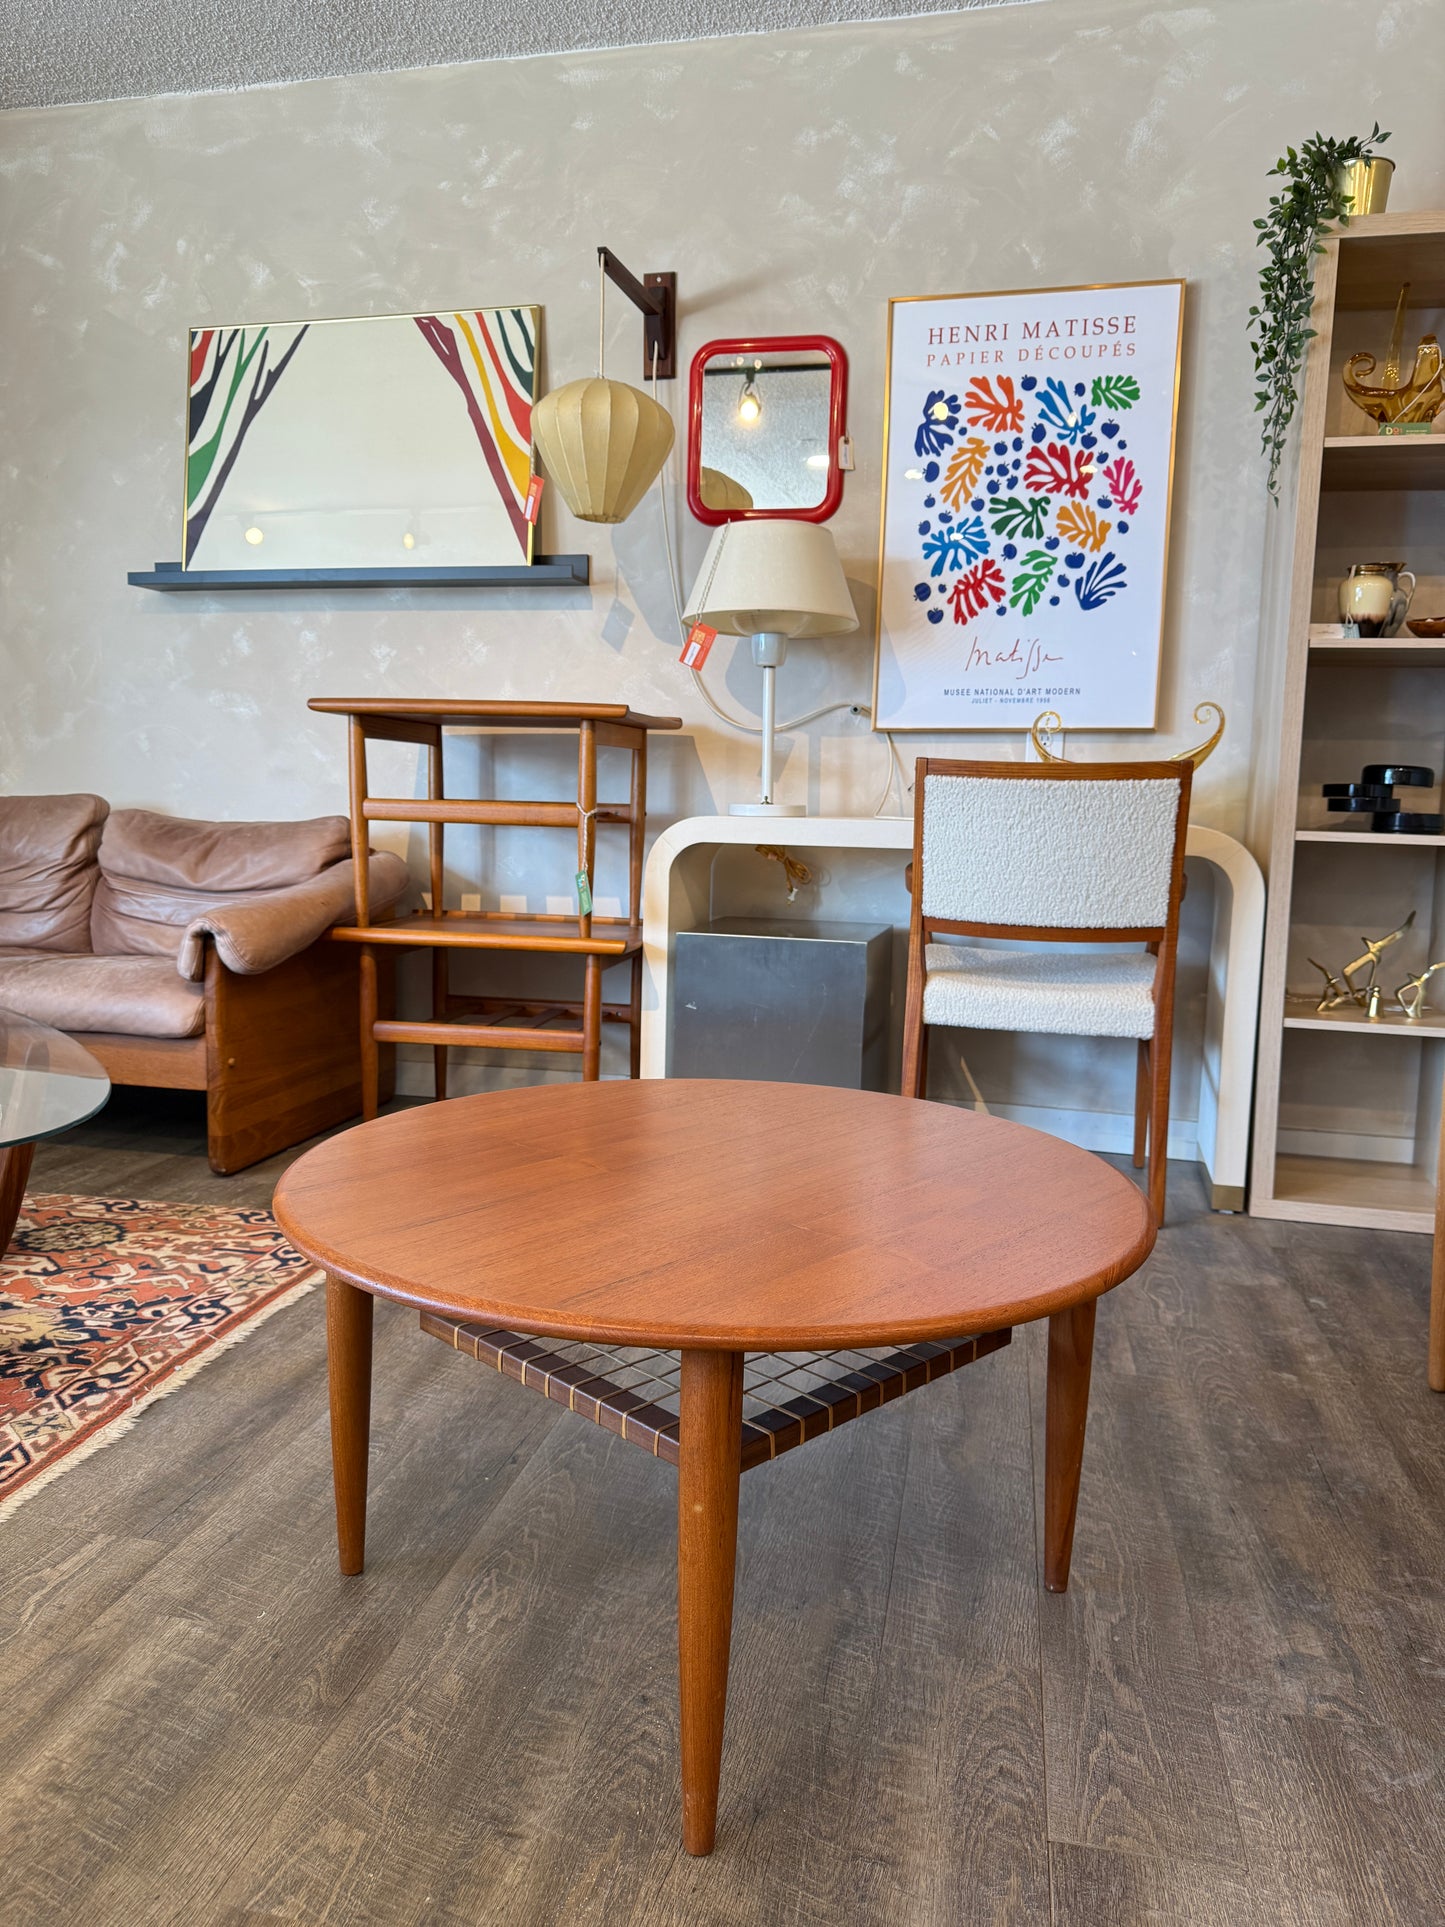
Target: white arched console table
{"type": "Point", "coordinates": [676, 896]}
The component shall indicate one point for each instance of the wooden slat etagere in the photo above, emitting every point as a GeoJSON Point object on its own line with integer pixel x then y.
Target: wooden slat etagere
{"type": "Point", "coordinates": [572, 1026]}
{"type": "Point", "coordinates": [1347, 1112]}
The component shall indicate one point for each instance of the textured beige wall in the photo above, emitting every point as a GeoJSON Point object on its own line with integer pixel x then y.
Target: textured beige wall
{"type": "Point", "coordinates": [793, 181]}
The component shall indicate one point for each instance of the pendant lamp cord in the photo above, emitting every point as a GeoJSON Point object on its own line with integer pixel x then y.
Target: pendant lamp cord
{"type": "Point", "coordinates": [602, 326]}
{"type": "Point", "coordinates": [895, 764]}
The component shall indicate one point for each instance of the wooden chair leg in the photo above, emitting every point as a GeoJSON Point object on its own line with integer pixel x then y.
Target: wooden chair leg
{"type": "Point", "coordinates": [709, 1468]}
{"type": "Point", "coordinates": [1071, 1355]}
{"type": "Point", "coordinates": [439, 1011]}
{"type": "Point", "coordinates": [592, 1021]}
{"type": "Point", "coordinates": [15, 1162]}
{"type": "Point", "coordinates": [1142, 1084]}
{"type": "Point", "coordinates": [914, 1082]}
{"type": "Point", "coordinates": [635, 1005]}
{"type": "Point", "coordinates": [370, 1053]}
{"type": "Point", "coordinates": [348, 1365]}
{"type": "Point", "coordinates": [1160, 1053]}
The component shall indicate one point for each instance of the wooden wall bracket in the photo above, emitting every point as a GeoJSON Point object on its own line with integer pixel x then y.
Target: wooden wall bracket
{"type": "Point", "coordinates": [655, 296]}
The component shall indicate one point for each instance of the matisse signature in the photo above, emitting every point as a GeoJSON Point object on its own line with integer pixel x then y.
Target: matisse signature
{"type": "Point", "coordinates": [1027, 654]}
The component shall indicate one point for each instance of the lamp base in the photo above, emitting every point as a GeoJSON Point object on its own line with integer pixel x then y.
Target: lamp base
{"type": "Point", "coordinates": [766, 809]}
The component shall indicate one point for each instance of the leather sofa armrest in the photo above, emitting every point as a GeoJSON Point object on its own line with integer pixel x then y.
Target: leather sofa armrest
{"type": "Point", "coordinates": [256, 932]}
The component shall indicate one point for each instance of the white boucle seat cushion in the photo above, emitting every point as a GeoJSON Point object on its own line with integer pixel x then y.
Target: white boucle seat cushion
{"type": "Point", "coordinates": [1102, 993]}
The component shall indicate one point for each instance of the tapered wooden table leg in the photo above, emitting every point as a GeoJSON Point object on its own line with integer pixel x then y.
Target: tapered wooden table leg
{"type": "Point", "coordinates": [15, 1162]}
{"type": "Point", "coordinates": [710, 1465]}
{"type": "Point", "coordinates": [1071, 1354]}
{"type": "Point", "coordinates": [1436, 1365]}
{"type": "Point", "coordinates": [1435, 1350]}
{"type": "Point", "coordinates": [348, 1359]}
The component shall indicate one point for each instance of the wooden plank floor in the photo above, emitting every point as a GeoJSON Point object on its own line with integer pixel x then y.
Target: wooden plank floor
{"type": "Point", "coordinates": [1236, 1716]}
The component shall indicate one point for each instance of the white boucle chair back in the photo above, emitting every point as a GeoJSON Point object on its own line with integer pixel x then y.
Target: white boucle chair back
{"type": "Point", "coordinates": [1076, 852]}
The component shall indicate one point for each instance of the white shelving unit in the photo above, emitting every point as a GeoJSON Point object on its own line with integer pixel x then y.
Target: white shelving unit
{"type": "Point", "coordinates": [1347, 1113]}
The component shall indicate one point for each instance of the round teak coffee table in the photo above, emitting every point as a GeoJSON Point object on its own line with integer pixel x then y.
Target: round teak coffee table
{"type": "Point", "coordinates": [579, 1237]}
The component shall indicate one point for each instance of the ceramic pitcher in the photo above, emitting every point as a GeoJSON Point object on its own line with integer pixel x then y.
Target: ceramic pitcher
{"type": "Point", "coordinates": [1374, 596]}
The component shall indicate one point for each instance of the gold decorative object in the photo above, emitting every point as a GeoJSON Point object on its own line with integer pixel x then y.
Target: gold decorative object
{"type": "Point", "coordinates": [1374, 948]}
{"type": "Point", "coordinates": [1335, 992]}
{"type": "Point", "coordinates": [603, 444]}
{"type": "Point", "coordinates": [1050, 724]}
{"type": "Point", "coordinates": [1366, 184]}
{"type": "Point", "coordinates": [1369, 996]}
{"type": "Point", "coordinates": [1411, 995]}
{"type": "Point", "coordinates": [1394, 401]}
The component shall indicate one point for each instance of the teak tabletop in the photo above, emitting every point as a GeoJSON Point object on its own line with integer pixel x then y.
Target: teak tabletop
{"type": "Point", "coordinates": [716, 1219]}
{"type": "Point", "coordinates": [516, 715]}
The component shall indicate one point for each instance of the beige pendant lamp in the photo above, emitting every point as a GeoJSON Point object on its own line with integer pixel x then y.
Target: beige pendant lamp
{"type": "Point", "coordinates": [602, 443]}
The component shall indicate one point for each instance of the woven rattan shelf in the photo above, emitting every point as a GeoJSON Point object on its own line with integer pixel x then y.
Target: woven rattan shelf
{"type": "Point", "coordinates": [788, 1397]}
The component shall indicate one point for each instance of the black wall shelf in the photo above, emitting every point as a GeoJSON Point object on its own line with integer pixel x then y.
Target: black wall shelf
{"type": "Point", "coordinates": [552, 571]}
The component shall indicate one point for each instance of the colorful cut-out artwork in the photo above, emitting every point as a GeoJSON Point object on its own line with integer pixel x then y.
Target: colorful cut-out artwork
{"type": "Point", "coordinates": [1041, 576]}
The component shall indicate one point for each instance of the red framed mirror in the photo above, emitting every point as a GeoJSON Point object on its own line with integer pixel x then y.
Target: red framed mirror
{"type": "Point", "coordinates": [767, 427]}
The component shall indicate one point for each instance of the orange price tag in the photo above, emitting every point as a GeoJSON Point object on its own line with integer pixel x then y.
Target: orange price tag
{"type": "Point", "coordinates": [534, 497]}
{"type": "Point", "coordinates": [699, 640]}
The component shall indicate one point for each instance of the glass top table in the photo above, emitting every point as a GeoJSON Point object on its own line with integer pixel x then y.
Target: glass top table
{"type": "Point", "coordinates": [47, 1084]}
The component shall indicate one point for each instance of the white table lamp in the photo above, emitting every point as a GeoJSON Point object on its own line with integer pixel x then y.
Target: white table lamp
{"type": "Point", "coordinates": [777, 581]}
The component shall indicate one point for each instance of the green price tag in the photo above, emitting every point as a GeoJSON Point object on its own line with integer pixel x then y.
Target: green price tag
{"type": "Point", "coordinates": [584, 894]}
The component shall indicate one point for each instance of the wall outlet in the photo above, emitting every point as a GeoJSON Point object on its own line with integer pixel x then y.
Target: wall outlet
{"type": "Point", "coordinates": [607, 906]}
{"type": "Point", "coordinates": [471, 904]}
{"type": "Point", "coordinates": [562, 906]}
{"type": "Point", "coordinates": [512, 906]}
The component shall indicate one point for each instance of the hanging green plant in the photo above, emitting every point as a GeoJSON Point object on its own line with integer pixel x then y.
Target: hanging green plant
{"type": "Point", "coordinates": [1278, 325]}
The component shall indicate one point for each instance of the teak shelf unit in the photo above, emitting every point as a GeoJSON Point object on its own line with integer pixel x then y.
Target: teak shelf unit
{"type": "Point", "coordinates": [1347, 1113]}
{"type": "Point", "coordinates": [496, 1023]}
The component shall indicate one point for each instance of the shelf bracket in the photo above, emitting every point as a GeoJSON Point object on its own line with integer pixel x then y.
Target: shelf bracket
{"type": "Point", "coordinates": [655, 297]}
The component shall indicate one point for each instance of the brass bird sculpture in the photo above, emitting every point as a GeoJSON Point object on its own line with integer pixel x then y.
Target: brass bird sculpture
{"type": "Point", "coordinates": [1334, 993]}
{"type": "Point", "coordinates": [1374, 947]}
{"type": "Point", "coordinates": [1411, 994]}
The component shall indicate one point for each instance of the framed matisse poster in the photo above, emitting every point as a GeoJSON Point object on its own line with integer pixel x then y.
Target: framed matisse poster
{"type": "Point", "coordinates": [1028, 461]}
{"type": "Point", "coordinates": [401, 439]}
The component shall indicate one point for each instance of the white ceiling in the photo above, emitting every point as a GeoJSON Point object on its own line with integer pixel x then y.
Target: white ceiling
{"type": "Point", "coordinates": [52, 51]}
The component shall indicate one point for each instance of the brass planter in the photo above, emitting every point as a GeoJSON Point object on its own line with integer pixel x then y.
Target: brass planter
{"type": "Point", "coordinates": [1366, 184]}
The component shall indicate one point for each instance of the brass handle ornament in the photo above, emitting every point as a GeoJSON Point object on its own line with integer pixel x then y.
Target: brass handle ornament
{"type": "Point", "coordinates": [1049, 724]}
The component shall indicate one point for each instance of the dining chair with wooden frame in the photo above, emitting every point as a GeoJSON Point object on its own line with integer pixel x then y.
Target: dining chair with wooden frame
{"type": "Point", "coordinates": [1056, 853]}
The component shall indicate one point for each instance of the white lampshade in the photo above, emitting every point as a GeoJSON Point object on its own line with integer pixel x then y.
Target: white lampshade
{"type": "Point", "coordinates": [772, 577]}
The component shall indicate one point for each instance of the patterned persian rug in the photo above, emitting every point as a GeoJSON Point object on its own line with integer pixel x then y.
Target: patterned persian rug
{"type": "Point", "coordinates": [108, 1303]}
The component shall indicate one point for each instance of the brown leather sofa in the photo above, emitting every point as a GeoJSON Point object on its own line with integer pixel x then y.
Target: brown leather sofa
{"type": "Point", "coordinates": [192, 956]}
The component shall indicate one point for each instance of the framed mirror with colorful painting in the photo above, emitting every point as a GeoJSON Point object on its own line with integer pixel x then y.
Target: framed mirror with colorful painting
{"type": "Point", "coordinates": [394, 440]}
{"type": "Point", "coordinates": [767, 425]}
